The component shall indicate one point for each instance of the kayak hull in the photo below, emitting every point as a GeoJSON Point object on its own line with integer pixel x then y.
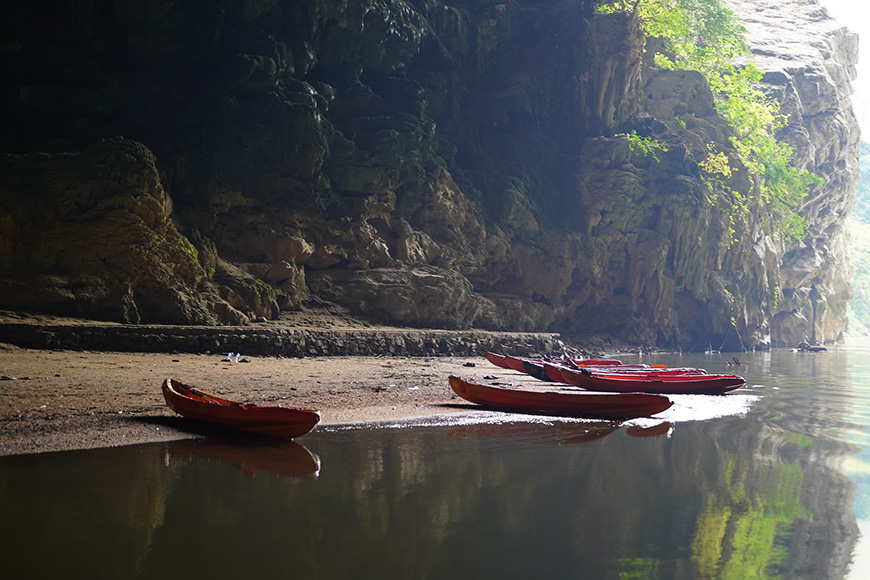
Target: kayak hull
{"type": "Point", "coordinates": [613, 406]}
{"type": "Point", "coordinates": [497, 359]}
{"type": "Point", "coordinates": [688, 384]}
{"type": "Point", "coordinates": [278, 422]}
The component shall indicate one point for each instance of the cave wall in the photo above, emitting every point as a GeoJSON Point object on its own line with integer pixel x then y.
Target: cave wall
{"type": "Point", "coordinates": [419, 163]}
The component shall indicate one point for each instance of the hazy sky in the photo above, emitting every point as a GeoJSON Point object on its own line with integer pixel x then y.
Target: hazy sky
{"type": "Point", "coordinates": [855, 14]}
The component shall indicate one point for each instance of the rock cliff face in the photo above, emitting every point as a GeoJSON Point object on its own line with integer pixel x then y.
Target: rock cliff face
{"type": "Point", "coordinates": [90, 233]}
{"type": "Point", "coordinates": [415, 162]}
{"type": "Point", "coordinates": [810, 62]}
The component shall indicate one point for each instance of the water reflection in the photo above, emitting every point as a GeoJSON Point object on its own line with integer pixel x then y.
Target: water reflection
{"type": "Point", "coordinates": [66, 514]}
{"type": "Point", "coordinates": [96, 512]}
{"type": "Point", "coordinates": [251, 456]}
{"type": "Point", "coordinates": [800, 436]}
{"type": "Point", "coordinates": [857, 373]}
{"type": "Point", "coordinates": [558, 432]}
{"type": "Point", "coordinates": [757, 483]}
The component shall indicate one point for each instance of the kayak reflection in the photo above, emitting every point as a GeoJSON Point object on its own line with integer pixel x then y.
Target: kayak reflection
{"type": "Point", "coordinates": [251, 456]}
{"type": "Point", "coordinates": [558, 432]}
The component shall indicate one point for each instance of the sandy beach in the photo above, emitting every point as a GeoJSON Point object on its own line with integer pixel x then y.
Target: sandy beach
{"type": "Point", "coordinates": [53, 400]}
{"type": "Point", "coordinates": [56, 397]}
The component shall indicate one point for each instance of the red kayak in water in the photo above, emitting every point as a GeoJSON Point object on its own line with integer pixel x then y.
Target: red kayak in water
{"type": "Point", "coordinates": [663, 383]}
{"type": "Point", "coordinates": [517, 399]}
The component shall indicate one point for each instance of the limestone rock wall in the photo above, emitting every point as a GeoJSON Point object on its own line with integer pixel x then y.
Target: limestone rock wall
{"type": "Point", "coordinates": [458, 165]}
{"type": "Point", "coordinates": [810, 61]}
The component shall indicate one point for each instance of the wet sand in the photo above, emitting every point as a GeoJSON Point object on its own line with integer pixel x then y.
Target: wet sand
{"type": "Point", "coordinates": [53, 400]}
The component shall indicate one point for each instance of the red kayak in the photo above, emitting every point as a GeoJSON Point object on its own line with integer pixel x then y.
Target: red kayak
{"type": "Point", "coordinates": [695, 384]}
{"type": "Point", "coordinates": [636, 370]}
{"type": "Point", "coordinates": [552, 370]}
{"type": "Point", "coordinates": [516, 363]}
{"type": "Point", "coordinates": [568, 404]}
{"type": "Point", "coordinates": [497, 360]}
{"type": "Point", "coordinates": [280, 422]}
{"type": "Point", "coordinates": [512, 362]}
{"type": "Point", "coordinates": [648, 371]}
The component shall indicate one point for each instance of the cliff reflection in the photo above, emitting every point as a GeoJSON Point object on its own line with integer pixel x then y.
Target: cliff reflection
{"type": "Point", "coordinates": [96, 512]}
{"type": "Point", "coordinates": [734, 499]}
{"type": "Point", "coordinates": [82, 514]}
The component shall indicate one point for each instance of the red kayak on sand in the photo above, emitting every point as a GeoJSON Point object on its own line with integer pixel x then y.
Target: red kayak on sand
{"type": "Point", "coordinates": [553, 371]}
{"type": "Point", "coordinates": [280, 422]}
{"type": "Point", "coordinates": [647, 371]}
{"type": "Point", "coordinates": [516, 363]}
{"type": "Point", "coordinates": [497, 360]}
{"type": "Point", "coordinates": [694, 384]}
{"type": "Point", "coordinates": [568, 404]}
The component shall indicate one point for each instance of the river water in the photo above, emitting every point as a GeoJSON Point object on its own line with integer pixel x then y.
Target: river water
{"type": "Point", "coordinates": [770, 481]}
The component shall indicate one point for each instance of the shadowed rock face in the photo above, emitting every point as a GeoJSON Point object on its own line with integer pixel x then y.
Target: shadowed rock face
{"type": "Point", "coordinates": [417, 163]}
{"type": "Point", "coordinates": [89, 234]}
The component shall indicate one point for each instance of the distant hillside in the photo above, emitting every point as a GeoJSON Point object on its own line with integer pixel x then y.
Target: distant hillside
{"type": "Point", "coordinates": [859, 307]}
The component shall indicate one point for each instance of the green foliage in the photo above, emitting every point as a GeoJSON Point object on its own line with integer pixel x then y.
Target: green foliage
{"type": "Point", "coordinates": [646, 146]}
{"type": "Point", "coordinates": [755, 120]}
{"type": "Point", "coordinates": [639, 568]}
{"type": "Point", "coordinates": [189, 249]}
{"type": "Point", "coordinates": [716, 162]}
{"type": "Point", "coordinates": [706, 36]}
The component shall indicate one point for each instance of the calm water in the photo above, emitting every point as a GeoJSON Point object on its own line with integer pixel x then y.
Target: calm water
{"type": "Point", "coordinates": [770, 481]}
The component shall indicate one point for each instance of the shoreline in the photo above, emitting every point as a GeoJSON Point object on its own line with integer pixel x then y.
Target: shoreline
{"type": "Point", "coordinates": [52, 400]}
{"type": "Point", "coordinates": [69, 384]}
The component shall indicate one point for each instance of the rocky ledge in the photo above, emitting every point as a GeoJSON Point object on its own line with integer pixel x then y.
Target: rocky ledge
{"type": "Point", "coordinates": [272, 341]}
